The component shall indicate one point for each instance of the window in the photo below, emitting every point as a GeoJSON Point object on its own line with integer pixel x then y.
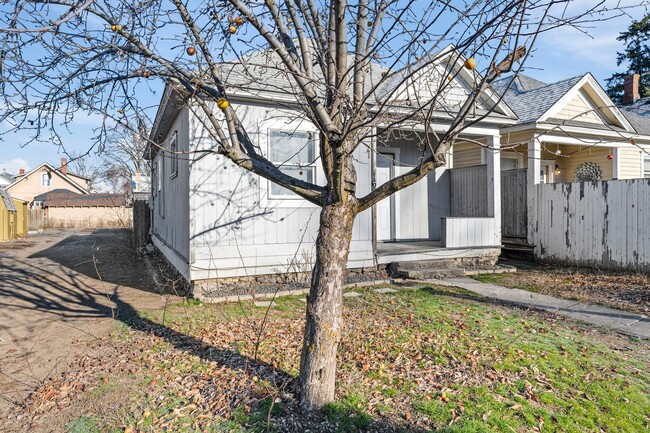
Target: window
{"type": "Point", "coordinates": [161, 193]}
{"type": "Point", "coordinates": [646, 165]}
{"type": "Point", "coordinates": [46, 179]}
{"type": "Point", "coordinates": [293, 152]}
{"type": "Point", "coordinates": [174, 154]}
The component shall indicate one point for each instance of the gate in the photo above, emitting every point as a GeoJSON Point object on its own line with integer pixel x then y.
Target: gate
{"type": "Point", "coordinates": [36, 219]}
{"type": "Point", "coordinates": [514, 206]}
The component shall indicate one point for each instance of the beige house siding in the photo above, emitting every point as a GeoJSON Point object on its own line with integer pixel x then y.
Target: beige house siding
{"type": "Point", "coordinates": [81, 181]}
{"type": "Point", "coordinates": [466, 155]}
{"type": "Point", "coordinates": [577, 109]}
{"type": "Point", "coordinates": [572, 158]}
{"type": "Point", "coordinates": [630, 167]}
{"type": "Point", "coordinates": [30, 185]}
{"type": "Point", "coordinates": [88, 216]}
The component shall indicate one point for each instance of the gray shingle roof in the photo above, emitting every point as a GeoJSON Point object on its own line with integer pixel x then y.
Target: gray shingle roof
{"type": "Point", "coordinates": [639, 123]}
{"type": "Point", "coordinates": [6, 197]}
{"type": "Point", "coordinates": [530, 105]}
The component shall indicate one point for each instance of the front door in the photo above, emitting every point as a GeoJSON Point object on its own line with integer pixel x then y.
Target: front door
{"type": "Point", "coordinates": [386, 208]}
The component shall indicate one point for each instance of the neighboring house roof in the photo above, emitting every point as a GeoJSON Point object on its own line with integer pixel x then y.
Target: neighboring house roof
{"type": "Point", "coordinates": [532, 98]}
{"type": "Point", "coordinates": [6, 198]}
{"type": "Point", "coordinates": [538, 102]}
{"type": "Point", "coordinates": [640, 123]}
{"type": "Point", "coordinates": [66, 178]}
{"type": "Point", "coordinates": [66, 198]}
{"type": "Point", "coordinates": [640, 107]}
{"type": "Point", "coordinates": [7, 178]}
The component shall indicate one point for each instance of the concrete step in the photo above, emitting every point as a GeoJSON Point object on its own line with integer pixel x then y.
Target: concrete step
{"type": "Point", "coordinates": [429, 274]}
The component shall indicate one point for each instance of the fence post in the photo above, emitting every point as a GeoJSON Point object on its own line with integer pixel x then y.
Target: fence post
{"type": "Point", "coordinates": [534, 168]}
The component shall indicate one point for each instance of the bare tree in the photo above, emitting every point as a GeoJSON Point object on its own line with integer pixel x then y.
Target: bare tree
{"type": "Point", "coordinates": [62, 56]}
{"type": "Point", "coordinates": [86, 166]}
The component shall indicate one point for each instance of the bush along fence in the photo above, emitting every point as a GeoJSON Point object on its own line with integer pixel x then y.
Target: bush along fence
{"type": "Point", "coordinates": [602, 224]}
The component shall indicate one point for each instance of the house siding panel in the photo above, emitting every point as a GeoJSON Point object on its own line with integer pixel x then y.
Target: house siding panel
{"type": "Point", "coordinates": [466, 155]}
{"type": "Point", "coordinates": [578, 110]}
{"type": "Point", "coordinates": [630, 163]}
{"type": "Point", "coordinates": [236, 229]}
{"type": "Point", "coordinates": [171, 228]}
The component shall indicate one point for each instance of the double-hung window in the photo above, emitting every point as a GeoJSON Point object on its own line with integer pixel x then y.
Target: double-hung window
{"type": "Point", "coordinates": [646, 164]}
{"type": "Point", "coordinates": [46, 180]}
{"type": "Point", "coordinates": [174, 155]}
{"type": "Point", "coordinates": [293, 152]}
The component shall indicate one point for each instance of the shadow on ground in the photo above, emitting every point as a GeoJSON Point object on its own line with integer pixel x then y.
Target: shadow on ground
{"type": "Point", "coordinates": [83, 277]}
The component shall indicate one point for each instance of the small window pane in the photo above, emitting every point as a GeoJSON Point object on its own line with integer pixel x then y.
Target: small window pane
{"type": "Point", "coordinates": [508, 164]}
{"type": "Point", "coordinates": [292, 147]}
{"type": "Point", "coordinates": [646, 166]}
{"type": "Point", "coordinates": [306, 174]}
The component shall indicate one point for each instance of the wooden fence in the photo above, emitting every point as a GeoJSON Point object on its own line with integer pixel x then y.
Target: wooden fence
{"type": "Point", "coordinates": [602, 224]}
{"type": "Point", "coordinates": [469, 193]}
{"type": "Point", "coordinates": [35, 219]}
{"type": "Point", "coordinates": [514, 208]}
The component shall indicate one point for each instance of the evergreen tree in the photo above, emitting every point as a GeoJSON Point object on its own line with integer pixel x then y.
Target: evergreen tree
{"type": "Point", "coordinates": [637, 58]}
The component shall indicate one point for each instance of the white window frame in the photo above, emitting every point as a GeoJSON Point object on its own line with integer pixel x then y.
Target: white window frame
{"type": "Point", "coordinates": [173, 147]}
{"type": "Point", "coordinates": [645, 163]}
{"type": "Point", "coordinates": [291, 199]}
{"type": "Point", "coordinates": [46, 176]}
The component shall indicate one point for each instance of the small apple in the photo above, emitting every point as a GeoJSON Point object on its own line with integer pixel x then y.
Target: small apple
{"type": "Point", "coordinates": [191, 51]}
{"type": "Point", "coordinates": [239, 21]}
{"type": "Point", "coordinates": [232, 30]}
{"type": "Point", "coordinates": [222, 103]}
{"type": "Point", "coordinates": [470, 63]}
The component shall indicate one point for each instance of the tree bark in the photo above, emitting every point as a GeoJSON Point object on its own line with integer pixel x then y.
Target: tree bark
{"type": "Point", "coordinates": [324, 318]}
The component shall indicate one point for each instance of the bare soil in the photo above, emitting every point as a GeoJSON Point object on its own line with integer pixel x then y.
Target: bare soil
{"type": "Point", "coordinates": [61, 293]}
{"type": "Point", "coordinates": [621, 290]}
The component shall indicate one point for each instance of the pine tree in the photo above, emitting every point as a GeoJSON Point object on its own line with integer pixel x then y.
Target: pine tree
{"type": "Point", "coordinates": [637, 58]}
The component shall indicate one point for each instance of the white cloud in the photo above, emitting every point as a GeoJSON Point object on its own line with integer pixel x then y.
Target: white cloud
{"type": "Point", "coordinates": [14, 165]}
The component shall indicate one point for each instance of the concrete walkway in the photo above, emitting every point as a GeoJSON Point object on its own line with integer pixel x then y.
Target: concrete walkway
{"type": "Point", "coordinates": [622, 321]}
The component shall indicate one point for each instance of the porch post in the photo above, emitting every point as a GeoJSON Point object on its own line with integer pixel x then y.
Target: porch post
{"type": "Point", "coordinates": [493, 161]}
{"type": "Point", "coordinates": [617, 163]}
{"type": "Point", "coordinates": [533, 179]}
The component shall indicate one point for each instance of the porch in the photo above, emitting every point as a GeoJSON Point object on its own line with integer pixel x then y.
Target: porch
{"type": "Point", "coordinates": [408, 251]}
{"type": "Point", "coordinates": [452, 213]}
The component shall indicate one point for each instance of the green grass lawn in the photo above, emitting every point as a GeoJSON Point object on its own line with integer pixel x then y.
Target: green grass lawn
{"type": "Point", "coordinates": [428, 360]}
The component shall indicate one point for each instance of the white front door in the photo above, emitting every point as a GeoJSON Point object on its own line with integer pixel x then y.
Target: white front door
{"type": "Point", "coordinates": [386, 207]}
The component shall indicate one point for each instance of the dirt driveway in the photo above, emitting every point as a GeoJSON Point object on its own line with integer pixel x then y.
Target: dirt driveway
{"type": "Point", "coordinates": [61, 291]}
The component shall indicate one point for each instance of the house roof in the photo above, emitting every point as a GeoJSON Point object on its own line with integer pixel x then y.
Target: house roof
{"type": "Point", "coordinates": [66, 198]}
{"type": "Point", "coordinates": [7, 177]}
{"type": "Point", "coordinates": [262, 75]}
{"type": "Point", "coordinates": [6, 198]}
{"type": "Point", "coordinates": [641, 124]}
{"type": "Point", "coordinates": [530, 98]}
{"type": "Point", "coordinates": [66, 178]}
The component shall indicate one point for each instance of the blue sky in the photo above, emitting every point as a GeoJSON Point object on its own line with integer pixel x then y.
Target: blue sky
{"type": "Point", "coordinates": [559, 54]}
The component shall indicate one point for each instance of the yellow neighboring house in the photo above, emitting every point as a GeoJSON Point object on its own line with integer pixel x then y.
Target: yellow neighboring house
{"type": "Point", "coordinates": [46, 178]}
{"type": "Point", "coordinates": [13, 217]}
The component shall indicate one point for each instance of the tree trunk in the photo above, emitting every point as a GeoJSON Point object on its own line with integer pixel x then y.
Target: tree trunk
{"type": "Point", "coordinates": [324, 319]}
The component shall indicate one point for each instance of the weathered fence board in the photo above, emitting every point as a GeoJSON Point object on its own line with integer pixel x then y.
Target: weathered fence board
{"type": "Point", "coordinates": [603, 224]}
{"type": "Point", "coordinates": [469, 191]}
{"type": "Point", "coordinates": [35, 219]}
{"type": "Point", "coordinates": [514, 208]}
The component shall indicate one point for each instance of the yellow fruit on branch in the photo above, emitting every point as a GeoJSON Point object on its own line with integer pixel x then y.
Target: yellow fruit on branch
{"type": "Point", "coordinates": [232, 30]}
{"type": "Point", "coordinates": [223, 103]}
{"type": "Point", "coordinates": [239, 21]}
{"type": "Point", "coordinates": [470, 63]}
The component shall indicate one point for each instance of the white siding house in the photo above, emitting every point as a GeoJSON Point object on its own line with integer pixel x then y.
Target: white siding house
{"type": "Point", "coordinates": [214, 220]}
